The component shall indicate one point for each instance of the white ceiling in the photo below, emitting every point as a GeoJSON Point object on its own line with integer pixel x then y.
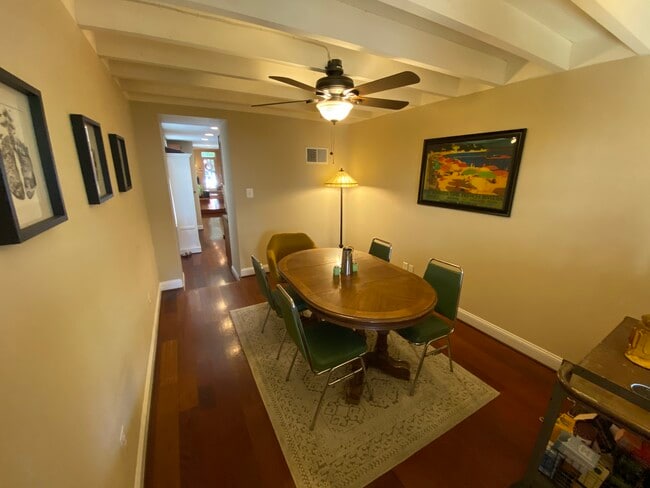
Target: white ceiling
{"type": "Point", "coordinates": [201, 132]}
{"type": "Point", "coordinates": [219, 53]}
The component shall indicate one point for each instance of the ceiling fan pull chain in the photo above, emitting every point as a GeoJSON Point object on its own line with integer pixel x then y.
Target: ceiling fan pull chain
{"type": "Point", "coordinates": [332, 140]}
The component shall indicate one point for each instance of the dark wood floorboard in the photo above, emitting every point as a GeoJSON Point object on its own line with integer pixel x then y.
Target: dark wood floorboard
{"type": "Point", "coordinates": [209, 428]}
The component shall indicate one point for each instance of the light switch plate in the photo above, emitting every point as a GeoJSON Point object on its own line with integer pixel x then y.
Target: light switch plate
{"type": "Point", "coordinates": [249, 193]}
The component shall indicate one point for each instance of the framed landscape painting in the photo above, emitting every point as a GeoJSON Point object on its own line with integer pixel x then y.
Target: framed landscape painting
{"type": "Point", "coordinates": [30, 197]}
{"type": "Point", "coordinates": [475, 172]}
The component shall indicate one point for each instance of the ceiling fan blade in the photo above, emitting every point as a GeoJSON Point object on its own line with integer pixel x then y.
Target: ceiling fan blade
{"type": "Point", "coordinates": [309, 100]}
{"type": "Point", "coordinates": [292, 82]}
{"type": "Point", "coordinates": [394, 81]}
{"type": "Point", "coordinates": [380, 102]}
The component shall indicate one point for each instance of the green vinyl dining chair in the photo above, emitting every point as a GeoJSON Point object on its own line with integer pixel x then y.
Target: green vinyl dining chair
{"type": "Point", "coordinates": [381, 249]}
{"type": "Point", "coordinates": [272, 295]}
{"type": "Point", "coordinates": [447, 279]}
{"type": "Point", "coordinates": [325, 346]}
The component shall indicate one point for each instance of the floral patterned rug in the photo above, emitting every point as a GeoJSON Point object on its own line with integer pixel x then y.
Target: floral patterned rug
{"type": "Point", "coordinates": [352, 445]}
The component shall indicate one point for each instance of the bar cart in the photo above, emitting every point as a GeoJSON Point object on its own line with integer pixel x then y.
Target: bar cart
{"type": "Point", "coordinates": [606, 383]}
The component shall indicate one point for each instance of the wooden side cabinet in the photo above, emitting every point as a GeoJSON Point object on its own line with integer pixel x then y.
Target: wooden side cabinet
{"type": "Point", "coordinates": [606, 383]}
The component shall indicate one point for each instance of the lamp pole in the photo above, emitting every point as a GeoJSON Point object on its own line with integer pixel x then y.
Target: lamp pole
{"type": "Point", "coordinates": [341, 180]}
{"type": "Point", "coordinates": [341, 221]}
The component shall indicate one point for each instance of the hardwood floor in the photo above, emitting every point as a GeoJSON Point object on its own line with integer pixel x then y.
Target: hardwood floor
{"type": "Point", "coordinates": [209, 428]}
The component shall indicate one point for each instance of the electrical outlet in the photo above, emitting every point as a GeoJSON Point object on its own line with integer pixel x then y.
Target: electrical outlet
{"type": "Point", "coordinates": [411, 268]}
{"type": "Point", "coordinates": [123, 437]}
{"type": "Point", "coordinates": [405, 265]}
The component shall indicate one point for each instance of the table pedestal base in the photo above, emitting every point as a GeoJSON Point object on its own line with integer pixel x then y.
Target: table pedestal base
{"type": "Point", "coordinates": [381, 360]}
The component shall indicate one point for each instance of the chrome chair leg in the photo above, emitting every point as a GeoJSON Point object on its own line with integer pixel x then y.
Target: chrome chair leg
{"type": "Point", "coordinates": [451, 363]}
{"type": "Point", "coordinates": [417, 374]}
{"type": "Point", "coordinates": [291, 367]}
{"type": "Point", "coordinates": [322, 395]}
{"type": "Point", "coordinates": [284, 338]}
{"type": "Point", "coordinates": [366, 380]}
{"type": "Point", "coordinates": [266, 318]}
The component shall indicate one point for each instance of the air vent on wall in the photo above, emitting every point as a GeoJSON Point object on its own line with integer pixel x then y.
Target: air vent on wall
{"type": "Point", "coordinates": [316, 155]}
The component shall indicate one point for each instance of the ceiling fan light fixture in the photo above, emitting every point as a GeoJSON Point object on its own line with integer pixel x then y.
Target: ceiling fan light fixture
{"type": "Point", "coordinates": [334, 110]}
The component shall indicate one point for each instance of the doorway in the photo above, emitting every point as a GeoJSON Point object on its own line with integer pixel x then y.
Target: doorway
{"type": "Point", "coordinates": [201, 140]}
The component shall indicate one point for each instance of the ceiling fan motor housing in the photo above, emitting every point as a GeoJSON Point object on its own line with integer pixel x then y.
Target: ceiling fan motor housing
{"type": "Point", "coordinates": [335, 83]}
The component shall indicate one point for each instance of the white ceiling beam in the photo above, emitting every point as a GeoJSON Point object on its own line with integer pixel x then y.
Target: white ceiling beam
{"type": "Point", "coordinates": [322, 20]}
{"type": "Point", "coordinates": [235, 101]}
{"type": "Point", "coordinates": [202, 93]}
{"type": "Point", "coordinates": [275, 91]}
{"type": "Point", "coordinates": [145, 72]}
{"type": "Point", "coordinates": [138, 50]}
{"type": "Point", "coordinates": [598, 50]}
{"type": "Point", "coordinates": [628, 20]}
{"type": "Point", "coordinates": [145, 97]}
{"type": "Point", "coordinates": [496, 23]}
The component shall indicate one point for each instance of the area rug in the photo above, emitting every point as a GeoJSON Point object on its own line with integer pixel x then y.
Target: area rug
{"type": "Point", "coordinates": [352, 445]}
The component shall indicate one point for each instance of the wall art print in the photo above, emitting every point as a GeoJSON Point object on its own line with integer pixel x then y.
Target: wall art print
{"type": "Point", "coordinates": [120, 161]}
{"type": "Point", "coordinates": [475, 172]}
{"type": "Point", "coordinates": [30, 197]}
{"type": "Point", "coordinates": [92, 158]}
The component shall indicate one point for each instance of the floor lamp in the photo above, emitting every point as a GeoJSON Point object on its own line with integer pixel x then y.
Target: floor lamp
{"type": "Point", "coordinates": [341, 180]}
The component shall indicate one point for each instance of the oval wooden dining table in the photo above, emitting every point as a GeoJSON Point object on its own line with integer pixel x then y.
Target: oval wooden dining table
{"type": "Point", "coordinates": [379, 296]}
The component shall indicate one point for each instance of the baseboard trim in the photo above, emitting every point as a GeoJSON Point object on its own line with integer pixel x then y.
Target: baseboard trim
{"type": "Point", "coordinates": [531, 350]}
{"type": "Point", "coordinates": [146, 402]}
{"type": "Point", "coordinates": [234, 272]}
{"type": "Point", "coordinates": [172, 284]}
{"type": "Point", "coordinates": [250, 271]}
{"type": "Point", "coordinates": [190, 250]}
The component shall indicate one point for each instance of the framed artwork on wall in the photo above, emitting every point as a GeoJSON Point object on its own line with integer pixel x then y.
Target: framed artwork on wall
{"type": "Point", "coordinates": [120, 161]}
{"type": "Point", "coordinates": [475, 172]}
{"type": "Point", "coordinates": [30, 196]}
{"type": "Point", "coordinates": [92, 158]}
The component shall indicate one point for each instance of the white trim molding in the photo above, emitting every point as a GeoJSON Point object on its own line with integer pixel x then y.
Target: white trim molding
{"type": "Point", "coordinates": [234, 272]}
{"type": "Point", "coordinates": [250, 271]}
{"type": "Point", "coordinates": [146, 401]}
{"type": "Point", "coordinates": [172, 284]}
{"type": "Point", "coordinates": [531, 350]}
{"type": "Point", "coordinates": [247, 271]}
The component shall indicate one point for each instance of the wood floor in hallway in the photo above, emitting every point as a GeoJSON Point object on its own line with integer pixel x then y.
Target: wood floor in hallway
{"type": "Point", "coordinates": [209, 428]}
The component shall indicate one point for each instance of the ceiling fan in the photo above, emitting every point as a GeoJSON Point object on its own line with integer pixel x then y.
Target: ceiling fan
{"type": "Point", "coordinates": [336, 93]}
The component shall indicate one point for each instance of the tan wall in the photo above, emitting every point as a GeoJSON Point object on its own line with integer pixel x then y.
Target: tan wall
{"type": "Point", "coordinates": [75, 322]}
{"type": "Point", "coordinates": [573, 258]}
{"type": "Point", "coordinates": [262, 152]}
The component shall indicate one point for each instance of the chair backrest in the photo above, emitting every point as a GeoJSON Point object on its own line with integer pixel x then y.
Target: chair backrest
{"type": "Point", "coordinates": [293, 323]}
{"type": "Point", "coordinates": [281, 245]}
{"type": "Point", "coordinates": [447, 279]}
{"type": "Point", "coordinates": [381, 248]}
{"type": "Point", "coordinates": [263, 282]}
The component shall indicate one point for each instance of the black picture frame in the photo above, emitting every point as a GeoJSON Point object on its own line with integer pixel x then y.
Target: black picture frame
{"type": "Point", "coordinates": [30, 196]}
{"type": "Point", "coordinates": [120, 162]}
{"type": "Point", "coordinates": [92, 158]}
{"type": "Point", "coordinates": [473, 172]}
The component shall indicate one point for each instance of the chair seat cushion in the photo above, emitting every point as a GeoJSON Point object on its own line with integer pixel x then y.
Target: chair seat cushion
{"type": "Point", "coordinates": [427, 330]}
{"type": "Point", "coordinates": [300, 303]}
{"type": "Point", "coordinates": [331, 345]}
